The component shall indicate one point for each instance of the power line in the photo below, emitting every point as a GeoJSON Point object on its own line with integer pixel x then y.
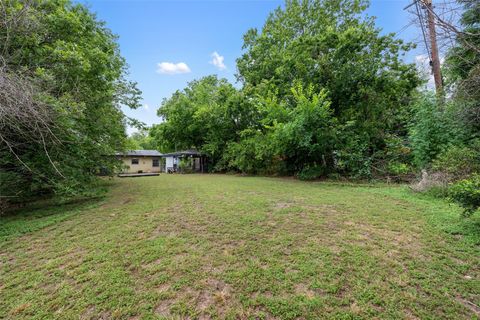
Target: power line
{"type": "Point", "coordinates": [421, 20]}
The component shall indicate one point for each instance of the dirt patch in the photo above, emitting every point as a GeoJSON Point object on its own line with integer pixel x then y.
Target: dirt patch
{"type": "Point", "coordinates": [20, 308]}
{"type": "Point", "coordinates": [409, 315]}
{"type": "Point", "coordinates": [163, 308]}
{"type": "Point", "coordinates": [90, 313]}
{"type": "Point", "coordinates": [355, 308]}
{"type": "Point", "coordinates": [304, 290]}
{"type": "Point", "coordinates": [282, 205]}
{"type": "Point", "coordinates": [218, 285]}
{"type": "Point", "coordinates": [469, 305]}
{"type": "Point", "coordinates": [204, 300]}
{"type": "Point", "coordinates": [164, 287]}
{"type": "Point", "coordinates": [216, 295]}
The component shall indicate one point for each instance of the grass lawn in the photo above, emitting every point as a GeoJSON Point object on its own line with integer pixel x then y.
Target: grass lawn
{"type": "Point", "coordinates": [218, 246]}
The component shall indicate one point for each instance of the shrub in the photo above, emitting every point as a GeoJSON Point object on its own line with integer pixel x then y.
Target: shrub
{"type": "Point", "coordinates": [453, 164]}
{"type": "Point", "coordinates": [398, 168]}
{"type": "Point", "coordinates": [433, 129]}
{"type": "Point", "coordinates": [254, 154]}
{"type": "Point", "coordinates": [467, 194]}
{"type": "Point", "coordinates": [311, 172]}
{"type": "Point", "coordinates": [185, 165]}
{"type": "Point", "coordinates": [353, 158]}
{"type": "Point", "coordinates": [458, 162]}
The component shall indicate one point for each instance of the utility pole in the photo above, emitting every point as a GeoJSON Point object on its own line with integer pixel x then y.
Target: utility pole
{"type": "Point", "coordinates": [435, 62]}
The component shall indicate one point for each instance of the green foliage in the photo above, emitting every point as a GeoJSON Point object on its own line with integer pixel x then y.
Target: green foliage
{"type": "Point", "coordinates": [433, 129]}
{"type": "Point", "coordinates": [396, 158]}
{"type": "Point", "coordinates": [322, 88]}
{"type": "Point", "coordinates": [335, 46]}
{"type": "Point", "coordinates": [308, 137]}
{"type": "Point", "coordinates": [206, 115]}
{"type": "Point", "coordinates": [311, 172]}
{"type": "Point", "coordinates": [467, 194]}
{"type": "Point", "coordinates": [463, 65]}
{"type": "Point", "coordinates": [398, 168]}
{"type": "Point", "coordinates": [292, 137]}
{"type": "Point", "coordinates": [354, 158]}
{"type": "Point", "coordinates": [141, 140]}
{"type": "Point", "coordinates": [458, 162]}
{"type": "Point", "coordinates": [253, 154]}
{"type": "Point", "coordinates": [185, 165]}
{"type": "Point", "coordinates": [71, 62]}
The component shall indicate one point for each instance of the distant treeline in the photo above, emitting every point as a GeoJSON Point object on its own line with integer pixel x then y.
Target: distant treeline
{"type": "Point", "coordinates": [324, 93]}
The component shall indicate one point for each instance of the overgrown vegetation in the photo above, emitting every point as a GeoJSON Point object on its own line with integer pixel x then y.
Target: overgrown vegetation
{"type": "Point", "coordinates": [467, 194]}
{"type": "Point", "coordinates": [325, 94]}
{"type": "Point", "coordinates": [62, 82]}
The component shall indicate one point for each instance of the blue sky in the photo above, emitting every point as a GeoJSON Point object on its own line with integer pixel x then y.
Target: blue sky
{"type": "Point", "coordinates": [184, 36]}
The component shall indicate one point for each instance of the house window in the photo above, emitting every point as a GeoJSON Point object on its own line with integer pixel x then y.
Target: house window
{"type": "Point", "coordinates": [155, 163]}
{"type": "Point", "coordinates": [134, 161]}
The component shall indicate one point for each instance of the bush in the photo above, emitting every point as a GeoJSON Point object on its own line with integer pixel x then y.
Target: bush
{"type": "Point", "coordinates": [185, 165]}
{"type": "Point", "coordinates": [458, 162]}
{"type": "Point", "coordinates": [467, 194]}
{"type": "Point", "coordinates": [398, 168]}
{"type": "Point", "coordinates": [433, 129]}
{"type": "Point", "coordinates": [311, 172]}
{"type": "Point", "coordinates": [254, 154]}
{"type": "Point", "coordinates": [453, 164]}
{"type": "Point", "coordinates": [354, 158]}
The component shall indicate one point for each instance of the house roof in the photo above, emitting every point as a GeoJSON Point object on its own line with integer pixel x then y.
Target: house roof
{"type": "Point", "coordinates": [140, 153]}
{"type": "Point", "coordinates": [183, 153]}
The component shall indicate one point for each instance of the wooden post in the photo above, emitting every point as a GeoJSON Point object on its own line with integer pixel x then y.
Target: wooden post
{"type": "Point", "coordinates": [437, 74]}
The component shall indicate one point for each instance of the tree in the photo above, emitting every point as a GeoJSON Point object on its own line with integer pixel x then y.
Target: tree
{"type": "Point", "coordinates": [319, 48]}
{"type": "Point", "coordinates": [434, 129]}
{"type": "Point", "coordinates": [308, 138]}
{"type": "Point", "coordinates": [206, 115]}
{"type": "Point", "coordinates": [463, 65]}
{"type": "Point", "coordinates": [333, 45]}
{"type": "Point", "coordinates": [289, 139]}
{"type": "Point", "coordinates": [141, 140]}
{"type": "Point", "coordinates": [71, 64]}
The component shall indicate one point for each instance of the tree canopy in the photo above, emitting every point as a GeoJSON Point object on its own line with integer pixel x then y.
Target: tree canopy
{"type": "Point", "coordinates": [321, 88]}
{"type": "Point", "coordinates": [60, 61]}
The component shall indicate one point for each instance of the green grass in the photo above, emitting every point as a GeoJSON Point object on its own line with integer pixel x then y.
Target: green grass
{"type": "Point", "coordinates": [226, 247]}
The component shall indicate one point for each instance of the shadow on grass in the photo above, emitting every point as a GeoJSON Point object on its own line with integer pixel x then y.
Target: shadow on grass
{"type": "Point", "coordinates": [43, 213]}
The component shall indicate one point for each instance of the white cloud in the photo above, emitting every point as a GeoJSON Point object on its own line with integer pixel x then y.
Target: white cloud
{"type": "Point", "coordinates": [217, 61]}
{"type": "Point", "coordinates": [146, 106]}
{"type": "Point", "coordinates": [172, 68]}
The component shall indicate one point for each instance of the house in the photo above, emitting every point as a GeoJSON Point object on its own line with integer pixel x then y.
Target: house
{"type": "Point", "coordinates": [141, 161]}
{"type": "Point", "coordinates": [185, 161]}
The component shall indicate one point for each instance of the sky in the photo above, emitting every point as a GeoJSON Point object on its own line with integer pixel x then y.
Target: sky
{"type": "Point", "coordinates": [170, 43]}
